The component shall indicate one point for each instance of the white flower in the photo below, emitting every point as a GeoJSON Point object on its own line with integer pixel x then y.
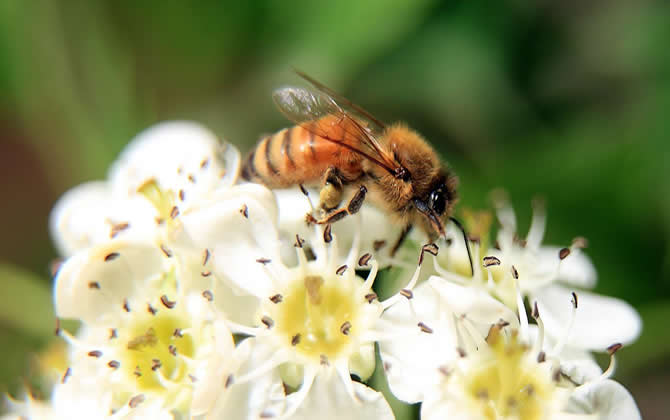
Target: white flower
{"type": "Point", "coordinates": [546, 275]}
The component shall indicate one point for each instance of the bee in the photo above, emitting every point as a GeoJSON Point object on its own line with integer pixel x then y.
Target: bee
{"type": "Point", "coordinates": [338, 145]}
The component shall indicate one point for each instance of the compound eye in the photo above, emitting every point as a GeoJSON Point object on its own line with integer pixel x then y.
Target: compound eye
{"type": "Point", "coordinates": [438, 201]}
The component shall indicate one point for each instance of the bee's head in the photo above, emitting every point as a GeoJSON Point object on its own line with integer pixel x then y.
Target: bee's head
{"type": "Point", "coordinates": [438, 203]}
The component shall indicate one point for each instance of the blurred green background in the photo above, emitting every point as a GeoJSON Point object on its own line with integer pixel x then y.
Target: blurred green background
{"type": "Point", "coordinates": [566, 100]}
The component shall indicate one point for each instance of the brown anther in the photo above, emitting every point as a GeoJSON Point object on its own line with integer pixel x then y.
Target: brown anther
{"type": "Point", "coordinates": [172, 349]}
{"type": "Point", "coordinates": [67, 374]}
{"type": "Point", "coordinates": [138, 371]}
{"type": "Point", "coordinates": [614, 348]}
{"type": "Point", "coordinates": [192, 378]}
{"type": "Point", "coordinates": [263, 261]}
{"type": "Point", "coordinates": [461, 352]}
{"type": "Point", "coordinates": [406, 293]}
{"type": "Point", "coordinates": [111, 256]}
{"type": "Point", "coordinates": [118, 228]}
{"type": "Point", "coordinates": [112, 333]}
{"type": "Point", "coordinates": [536, 311]}
{"type": "Point", "coordinates": [563, 253]}
{"type": "Point", "coordinates": [136, 401]}
{"type": "Point", "coordinates": [204, 164]}
{"type": "Point", "coordinates": [341, 269]}
{"type": "Point", "coordinates": [276, 298]}
{"type": "Point", "coordinates": [267, 321]}
{"type": "Point", "coordinates": [575, 301]}
{"type": "Point", "coordinates": [580, 242]}
{"type": "Point", "coordinates": [515, 273]}
{"type": "Point", "coordinates": [94, 285]}
{"type": "Point", "coordinates": [365, 258]}
{"type": "Point", "coordinates": [126, 307]}
{"type": "Point", "coordinates": [159, 221]}
{"type": "Point", "coordinates": [191, 178]}
{"type": "Point", "coordinates": [155, 364]}
{"type": "Point", "coordinates": [230, 379]}
{"type": "Point", "coordinates": [207, 294]}
{"type": "Point", "coordinates": [370, 297]}
{"type": "Point", "coordinates": [530, 389]}
{"type": "Point", "coordinates": [327, 234]}
{"type": "Point", "coordinates": [303, 190]}
{"type": "Point", "coordinates": [295, 339]}
{"type": "Point", "coordinates": [174, 212]}
{"type": "Point", "coordinates": [490, 261]}
{"type": "Point", "coordinates": [323, 359]}
{"type": "Point", "coordinates": [541, 357]}
{"type": "Point", "coordinates": [244, 211]}
{"type": "Point", "coordinates": [205, 273]}
{"type": "Point", "coordinates": [425, 328]}
{"type": "Point", "coordinates": [266, 415]}
{"type": "Point", "coordinates": [345, 328]}
{"type": "Point", "coordinates": [95, 353]}
{"type": "Point", "coordinates": [556, 375]}
{"type": "Point", "coordinates": [377, 245]}
{"type": "Point", "coordinates": [444, 370]}
{"type": "Point", "coordinates": [167, 302]}
{"type": "Point", "coordinates": [151, 309]}
{"type": "Point", "coordinates": [166, 251]}
{"type": "Point", "coordinates": [177, 333]}
{"type": "Point", "coordinates": [181, 195]}
{"type": "Point", "coordinates": [298, 241]}
{"type": "Point", "coordinates": [114, 364]}
{"type": "Point", "coordinates": [432, 249]}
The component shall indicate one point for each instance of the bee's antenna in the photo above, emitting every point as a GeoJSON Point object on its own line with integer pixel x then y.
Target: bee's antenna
{"type": "Point", "coordinates": [467, 245]}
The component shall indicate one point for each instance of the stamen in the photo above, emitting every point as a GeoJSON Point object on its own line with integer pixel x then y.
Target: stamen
{"type": "Point", "coordinates": [278, 298]}
{"type": "Point", "coordinates": [363, 261]}
{"type": "Point", "coordinates": [66, 375]}
{"type": "Point", "coordinates": [393, 299]}
{"type": "Point", "coordinates": [111, 256]}
{"type": "Point", "coordinates": [539, 341]}
{"type": "Point", "coordinates": [340, 270]}
{"type": "Point", "coordinates": [523, 317]}
{"type": "Point", "coordinates": [167, 302]}
{"type": "Point", "coordinates": [244, 211]}
{"type": "Point", "coordinates": [558, 348]}
{"type": "Point", "coordinates": [367, 285]}
{"type": "Point", "coordinates": [136, 401]}
{"type": "Point", "coordinates": [205, 256]}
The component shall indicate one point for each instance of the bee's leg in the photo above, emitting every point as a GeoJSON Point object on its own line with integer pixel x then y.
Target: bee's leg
{"type": "Point", "coordinates": [330, 195]}
{"type": "Point", "coordinates": [403, 235]}
{"type": "Point", "coordinates": [353, 207]}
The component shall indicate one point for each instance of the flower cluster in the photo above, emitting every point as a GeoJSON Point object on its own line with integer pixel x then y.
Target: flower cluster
{"type": "Point", "coordinates": [201, 296]}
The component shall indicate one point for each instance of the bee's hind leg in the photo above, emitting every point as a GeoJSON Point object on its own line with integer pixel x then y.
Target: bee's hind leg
{"type": "Point", "coordinates": [352, 207]}
{"type": "Point", "coordinates": [330, 195]}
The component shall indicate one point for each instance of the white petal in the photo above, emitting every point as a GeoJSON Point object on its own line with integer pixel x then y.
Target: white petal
{"type": "Point", "coordinates": [600, 322]}
{"type": "Point", "coordinates": [328, 400]}
{"type": "Point", "coordinates": [577, 269]}
{"type": "Point", "coordinates": [84, 216]}
{"type": "Point", "coordinates": [180, 155]}
{"type": "Point", "coordinates": [93, 283]}
{"type": "Point", "coordinates": [237, 241]}
{"type": "Point", "coordinates": [607, 399]}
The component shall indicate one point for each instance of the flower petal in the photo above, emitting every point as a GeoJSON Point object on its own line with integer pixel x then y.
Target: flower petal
{"type": "Point", "coordinates": [600, 320]}
{"type": "Point", "coordinates": [95, 282]}
{"type": "Point", "coordinates": [608, 399]}
{"type": "Point", "coordinates": [576, 270]}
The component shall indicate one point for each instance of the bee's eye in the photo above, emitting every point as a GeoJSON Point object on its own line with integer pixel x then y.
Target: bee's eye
{"type": "Point", "coordinates": [438, 201]}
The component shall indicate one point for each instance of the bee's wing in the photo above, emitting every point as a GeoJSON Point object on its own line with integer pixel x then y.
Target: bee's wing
{"type": "Point", "coordinates": [309, 109]}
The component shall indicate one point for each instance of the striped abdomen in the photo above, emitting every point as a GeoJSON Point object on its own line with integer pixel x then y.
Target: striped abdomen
{"type": "Point", "coordinates": [297, 156]}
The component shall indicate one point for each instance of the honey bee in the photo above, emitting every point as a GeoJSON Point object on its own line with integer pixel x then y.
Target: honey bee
{"type": "Point", "coordinates": [339, 145]}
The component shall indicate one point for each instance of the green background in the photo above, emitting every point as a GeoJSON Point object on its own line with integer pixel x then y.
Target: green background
{"type": "Point", "coordinates": [565, 100]}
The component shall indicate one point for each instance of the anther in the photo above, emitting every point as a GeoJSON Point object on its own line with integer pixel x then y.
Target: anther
{"type": "Point", "coordinates": [502, 323]}
{"type": "Point", "coordinates": [151, 309]}
{"type": "Point", "coordinates": [298, 241]}
{"type": "Point", "coordinates": [341, 269]}
{"type": "Point", "coordinates": [191, 178]}
{"type": "Point", "coordinates": [575, 301]}
{"type": "Point", "coordinates": [244, 211]}
{"type": "Point", "coordinates": [580, 242]}
{"type": "Point", "coordinates": [192, 378]}
{"type": "Point", "coordinates": [345, 328]}
{"type": "Point", "coordinates": [138, 371]}
{"type": "Point", "coordinates": [229, 381]}
{"type": "Point", "coordinates": [177, 333]}
{"type": "Point", "coordinates": [167, 302]}
{"type": "Point", "coordinates": [429, 248]}
{"type": "Point", "coordinates": [136, 401]}
{"type": "Point", "coordinates": [181, 195]}
{"type": "Point", "coordinates": [363, 261]}
{"type": "Point", "coordinates": [207, 294]}
{"type": "Point", "coordinates": [205, 273]}
{"type": "Point", "coordinates": [541, 357]}
{"type": "Point", "coordinates": [155, 364]}
{"type": "Point", "coordinates": [556, 375]}
{"type": "Point", "coordinates": [174, 212]}
{"type": "Point", "coordinates": [327, 234]}
{"type": "Point", "coordinates": [276, 298]}
{"type": "Point", "coordinates": [118, 228]}
{"type": "Point", "coordinates": [263, 261]}
{"type": "Point", "coordinates": [563, 253]}
{"type": "Point", "coordinates": [95, 353]}
{"type": "Point", "coordinates": [461, 352]}
{"type": "Point", "coordinates": [111, 256]}
{"type": "Point", "coordinates": [444, 370]}
{"type": "Point", "coordinates": [515, 273]}
{"type": "Point", "coordinates": [490, 261]}
{"type": "Point", "coordinates": [205, 256]}
{"type": "Point", "coordinates": [166, 251]}
{"type": "Point", "coordinates": [370, 297]}
{"type": "Point", "coordinates": [126, 307]}
{"type": "Point", "coordinates": [67, 374]}
{"type": "Point", "coordinates": [204, 164]}
{"type": "Point", "coordinates": [425, 328]}
{"type": "Point", "coordinates": [172, 349]}
{"type": "Point", "coordinates": [295, 339]}
{"type": "Point", "coordinates": [614, 348]}
{"type": "Point", "coordinates": [112, 333]}
{"type": "Point", "coordinates": [377, 245]}
{"type": "Point", "coordinates": [267, 415]}
{"type": "Point", "coordinates": [406, 293]}
{"type": "Point", "coordinates": [323, 359]}
{"type": "Point", "coordinates": [536, 311]}
{"type": "Point", "coordinates": [94, 285]}
{"type": "Point", "coordinates": [267, 321]}
{"type": "Point", "coordinates": [114, 364]}
{"type": "Point", "coordinates": [303, 190]}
